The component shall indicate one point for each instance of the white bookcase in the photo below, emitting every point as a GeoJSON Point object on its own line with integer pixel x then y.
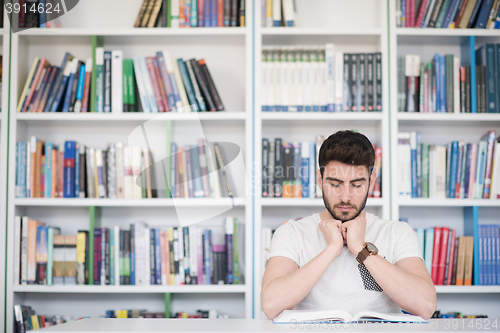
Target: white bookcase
{"type": "Point", "coordinates": [442, 128]}
{"type": "Point", "coordinates": [358, 26]}
{"type": "Point", "coordinates": [228, 53]}
{"type": "Point", "coordinates": [4, 123]}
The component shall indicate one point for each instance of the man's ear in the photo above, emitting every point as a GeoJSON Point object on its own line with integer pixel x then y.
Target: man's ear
{"type": "Point", "coordinates": [319, 179]}
{"type": "Point", "coordinates": [373, 179]}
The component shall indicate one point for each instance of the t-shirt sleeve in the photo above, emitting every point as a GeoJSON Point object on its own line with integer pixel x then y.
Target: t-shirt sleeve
{"type": "Point", "coordinates": [285, 243]}
{"type": "Point", "coordinates": [406, 243]}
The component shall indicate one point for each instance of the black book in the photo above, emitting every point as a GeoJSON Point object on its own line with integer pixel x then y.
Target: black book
{"type": "Point", "coordinates": [122, 256]}
{"type": "Point", "coordinates": [75, 87]}
{"type": "Point", "coordinates": [353, 81]}
{"type": "Point", "coordinates": [435, 13]}
{"type": "Point", "coordinates": [132, 253]}
{"type": "Point", "coordinates": [278, 168]}
{"type": "Point", "coordinates": [483, 89]}
{"type": "Point", "coordinates": [83, 172]}
{"type": "Point", "coordinates": [227, 13]}
{"type": "Point", "coordinates": [87, 257]}
{"type": "Point", "coordinates": [126, 256]}
{"type": "Point", "coordinates": [242, 13]}
{"type": "Point", "coordinates": [449, 82]}
{"type": "Point", "coordinates": [211, 86]}
{"type": "Point", "coordinates": [468, 100]}
{"type": "Point", "coordinates": [171, 269]}
{"type": "Point", "coordinates": [288, 168]}
{"type": "Point", "coordinates": [265, 167]}
{"type": "Point", "coordinates": [31, 15]}
{"type": "Point", "coordinates": [234, 13]}
{"type": "Point", "coordinates": [369, 81]}
{"type": "Point", "coordinates": [347, 90]}
{"type": "Point", "coordinates": [107, 81]}
{"type": "Point", "coordinates": [200, 78]}
{"type": "Point", "coordinates": [479, 94]}
{"type": "Point", "coordinates": [152, 257]}
{"type": "Point", "coordinates": [378, 81]}
{"type": "Point", "coordinates": [164, 13]}
{"type": "Point", "coordinates": [361, 101]}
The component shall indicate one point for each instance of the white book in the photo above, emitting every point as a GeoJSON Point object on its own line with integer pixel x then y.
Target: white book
{"type": "Point", "coordinates": [276, 68]}
{"type": "Point", "coordinates": [308, 78]}
{"type": "Point", "coordinates": [339, 81]}
{"type": "Point", "coordinates": [117, 81]}
{"type": "Point", "coordinates": [29, 178]}
{"type": "Point", "coordinates": [213, 172]}
{"type": "Point", "coordinates": [276, 13]}
{"type": "Point", "coordinates": [150, 93]}
{"type": "Point", "coordinates": [119, 171]}
{"type": "Point", "coordinates": [170, 70]}
{"type": "Point", "coordinates": [101, 191]}
{"type": "Point", "coordinates": [186, 179]}
{"type": "Point", "coordinates": [266, 246]}
{"type": "Point", "coordinates": [323, 87]}
{"type": "Point", "coordinates": [495, 175]}
{"type": "Point", "coordinates": [456, 84]}
{"type": "Point", "coordinates": [288, 13]}
{"type": "Point", "coordinates": [441, 172]}
{"type": "Point", "coordinates": [174, 13]}
{"type": "Point", "coordinates": [90, 157]}
{"type": "Point", "coordinates": [330, 76]}
{"type": "Point", "coordinates": [141, 87]}
{"type": "Point", "coordinates": [193, 248]}
{"type": "Point", "coordinates": [299, 64]}
{"type": "Point", "coordinates": [128, 174]}
{"type": "Point", "coordinates": [404, 162]}
{"type": "Point", "coordinates": [270, 69]}
{"type": "Point", "coordinates": [292, 77]}
{"type": "Point", "coordinates": [316, 79]}
{"type": "Point", "coordinates": [140, 253]}
{"type": "Point", "coordinates": [264, 89]}
{"type": "Point", "coordinates": [32, 165]}
{"type": "Point", "coordinates": [147, 257]}
{"type": "Point", "coordinates": [297, 316]}
{"type": "Point", "coordinates": [285, 81]}
{"type": "Point", "coordinates": [117, 255]}
{"type": "Point", "coordinates": [432, 172]}
{"type": "Point", "coordinates": [136, 172]}
{"type": "Point", "coordinates": [24, 250]}
{"type": "Point", "coordinates": [17, 249]}
{"type": "Point", "coordinates": [180, 87]}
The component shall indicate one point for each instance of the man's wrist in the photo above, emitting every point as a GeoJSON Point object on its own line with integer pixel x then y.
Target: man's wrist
{"type": "Point", "coordinates": [332, 251]}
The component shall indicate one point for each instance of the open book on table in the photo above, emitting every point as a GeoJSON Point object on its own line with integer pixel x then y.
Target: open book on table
{"type": "Point", "coordinates": [327, 315]}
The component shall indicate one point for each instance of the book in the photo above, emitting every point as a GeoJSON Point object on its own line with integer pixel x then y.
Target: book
{"type": "Point", "coordinates": [335, 315]}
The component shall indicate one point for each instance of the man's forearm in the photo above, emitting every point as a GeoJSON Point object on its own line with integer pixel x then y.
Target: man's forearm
{"type": "Point", "coordinates": [285, 292]}
{"type": "Point", "coordinates": [411, 292]}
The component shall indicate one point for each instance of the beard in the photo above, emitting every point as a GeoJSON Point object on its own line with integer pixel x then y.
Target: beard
{"type": "Point", "coordinates": [344, 216]}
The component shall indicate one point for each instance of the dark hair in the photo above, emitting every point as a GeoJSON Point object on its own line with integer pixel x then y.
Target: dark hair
{"type": "Point", "coordinates": [347, 147]}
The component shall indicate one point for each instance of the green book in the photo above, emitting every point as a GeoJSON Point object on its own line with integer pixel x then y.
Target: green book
{"type": "Point", "coordinates": [167, 305]}
{"type": "Point", "coordinates": [442, 13]}
{"type": "Point", "coordinates": [99, 101]}
{"type": "Point", "coordinates": [425, 170]}
{"type": "Point", "coordinates": [236, 260]}
{"type": "Point", "coordinates": [131, 85]}
{"type": "Point", "coordinates": [125, 86]}
{"type": "Point", "coordinates": [169, 18]}
{"type": "Point", "coordinates": [95, 222]}
{"type": "Point", "coordinates": [449, 82]}
{"type": "Point", "coordinates": [50, 246]}
{"type": "Point", "coordinates": [96, 42]}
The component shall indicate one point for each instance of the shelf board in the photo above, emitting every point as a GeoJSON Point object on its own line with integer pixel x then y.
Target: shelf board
{"type": "Point", "coordinates": [467, 289]}
{"type": "Point", "coordinates": [446, 32]}
{"type": "Point", "coordinates": [133, 203]}
{"type": "Point", "coordinates": [366, 118]}
{"type": "Point", "coordinates": [291, 31]}
{"type": "Point", "coordinates": [189, 289]}
{"type": "Point", "coordinates": [421, 202]}
{"type": "Point", "coordinates": [231, 31]}
{"type": "Point", "coordinates": [447, 117]}
{"type": "Point", "coordinates": [93, 118]}
{"type": "Point", "coordinates": [305, 202]}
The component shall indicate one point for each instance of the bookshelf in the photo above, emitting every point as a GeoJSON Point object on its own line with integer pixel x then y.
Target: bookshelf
{"type": "Point", "coordinates": [4, 139]}
{"type": "Point", "coordinates": [441, 128]}
{"type": "Point", "coordinates": [228, 52]}
{"type": "Point", "coordinates": [332, 24]}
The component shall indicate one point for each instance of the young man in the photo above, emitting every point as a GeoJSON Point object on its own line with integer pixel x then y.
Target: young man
{"type": "Point", "coordinates": [343, 257]}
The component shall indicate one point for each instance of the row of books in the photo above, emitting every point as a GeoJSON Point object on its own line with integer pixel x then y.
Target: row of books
{"type": "Point", "coordinates": [444, 86]}
{"type": "Point", "coordinates": [289, 169]}
{"type": "Point", "coordinates": [458, 170]}
{"type": "Point", "coordinates": [139, 256]}
{"type": "Point", "coordinates": [209, 314]}
{"type": "Point", "coordinates": [191, 13]}
{"type": "Point", "coordinates": [145, 84]}
{"type": "Point", "coordinates": [320, 79]}
{"type": "Point", "coordinates": [448, 14]}
{"type": "Point", "coordinates": [72, 170]}
{"type": "Point", "coordinates": [279, 13]}
{"type": "Point", "coordinates": [37, 13]}
{"type": "Point", "coordinates": [449, 258]}
{"type": "Point", "coordinates": [438, 314]}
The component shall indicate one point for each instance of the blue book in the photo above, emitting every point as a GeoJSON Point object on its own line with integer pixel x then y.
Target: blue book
{"type": "Point", "coordinates": [112, 258]}
{"type": "Point", "coordinates": [69, 90]}
{"type": "Point", "coordinates": [482, 248]}
{"type": "Point", "coordinates": [62, 88]}
{"type": "Point", "coordinates": [484, 13]}
{"type": "Point", "coordinates": [157, 256]}
{"type": "Point", "coordinates": [451, 13]}
{"type": "Point", "coordinates": [69, 169]}
{"type": "Point", "coordinates": [471, 216]}
{"type": "Point", "coordinates": [403, 13]}
{"type": "Point", "coordinates": [206, 13]}
{"type": "Point", "coordinates": [475, 12]}
{"type": "Point", "coordinates": [207, 245]}
{"type": "Point", "coordinates": [413, 146]}
{"type": "Point", "coordinates": [419, 164]}
{"type": "Point", "coordinates": [304, 170]}
{"type": "Point", "coordinates": [480, 169]}
{"type": "Point", "coordinates": [196, 172]}
{"type": "Point", "coordinates": [489, 254]}
{"type": "Point", "coordinates": [167, 83]}
{"type": "Point", "coordinates": [437, 79]}
{"type": "Point", "coordinates": [81, 82]}
{"type": "Point", "coordinates": [496, 247]}
{"type": "Point", "coordinates": [442, 81]}
{"type": "Point", "coordinates": [173, 169]}
{"type": "Point", "coordinates": [429, 244]}
{"type": "Point", "coordinates": [42, 16]}
{"type": "Point", "coordinates": [22, 150]}
{"type": "Point", "coordinates": [57, 82]}
{"type": "Point", "coordinates": [229, 249]}
{"type": "Point", "coordinates": [188, 85]}
{"type": "Point", "coordinates": [97, 255]}
{"type": "Point", "coordinates": [213, 14]}
{"type": "Point", "coordinates": [497, 23]}
{"type": "Point", "coordinates": [497, 64]}
{"type": "Point", "coordinates": [486, 55]}
{"type": "Point", "coordinates": [467, 170]}
{"type": "Point", "coordinates": [148, 85]}
{"type": "Point", "coordinates": [48, 169]}
{"type": "Point", "coordinates": [453, 169]}
{"type": "Point", "coordinates": [132, 254]}
{"type": "Point", "coordinates": [448, 167]}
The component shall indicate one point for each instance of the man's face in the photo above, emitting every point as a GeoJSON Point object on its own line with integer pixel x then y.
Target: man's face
{"type": "Point", "coordinates": [345, 189]}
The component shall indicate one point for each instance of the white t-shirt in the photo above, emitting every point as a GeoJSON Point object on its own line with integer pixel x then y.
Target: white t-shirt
{"type": "Point", "coordinates": [346, 284]}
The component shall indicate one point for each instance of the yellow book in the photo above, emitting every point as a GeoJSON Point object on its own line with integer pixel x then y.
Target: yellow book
{"type": "Point", "coordinates": [460, 261]}
{"type": "Point", "coordinates": [27, 84]}
{"type": "Point", "coordinates": [269, 13]}
{"type": "Point", "coordinates": [121, 314]}
{"type": "Point", "coordinates": [34, 322]}
{"type": "Point", "coordinates": [469, 250]}
{"type": "Point", "coordinates": [80, 257]}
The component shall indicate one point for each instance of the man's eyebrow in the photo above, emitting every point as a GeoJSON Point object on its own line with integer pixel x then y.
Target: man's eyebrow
{"type": "Point", "coordinates": [341, 181]}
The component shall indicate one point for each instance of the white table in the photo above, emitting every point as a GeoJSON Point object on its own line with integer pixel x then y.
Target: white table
{"type": "Point", "coordinates": [101, 325]}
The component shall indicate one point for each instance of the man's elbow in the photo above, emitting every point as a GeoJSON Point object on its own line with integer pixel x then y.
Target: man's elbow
{"type": "Point", "coordinates": [269, 308]}
{"type": "Point", "coordinates": [429, 308]}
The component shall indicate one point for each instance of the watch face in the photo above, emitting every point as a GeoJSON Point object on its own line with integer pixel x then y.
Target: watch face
{"type": "Point", "coordinates": [371, 247]}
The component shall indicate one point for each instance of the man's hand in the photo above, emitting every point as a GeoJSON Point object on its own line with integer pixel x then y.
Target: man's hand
{"type": "Point", "coordinates": [332, 230]}
{"type": "Point", "coordinates": [353, 232]}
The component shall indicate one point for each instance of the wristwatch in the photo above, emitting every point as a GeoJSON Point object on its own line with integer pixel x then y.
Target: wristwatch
{"type": "Point", "coordinates": [368, 250]}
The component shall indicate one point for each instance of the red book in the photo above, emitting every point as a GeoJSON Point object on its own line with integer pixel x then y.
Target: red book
{"type": "Point", "coordinates": [421, 13]}
{"type": "Point", "coordinates": [436, 254]}
{"type": "Point", "coordinates": [160, 85]}
{"type": "Point", "coordinates": [43, 64]}
{"type": "Point", "coordinates": [154, 82]}
{"type": "Point", "coordinates": [86, 87]}
{"type": "Point", "coordinates": [451, 256]}
{"type": "Point", "coordinates": [220, 13]}
{"type": "Point", "coordinates": [21, 14]}
{"type": "Point", "coordinates": [201, 12]}
{"type": "Point", "coordinates": [443, 252]}
{"type": "Point", "coordinates": [60, 174]}
{"type": "Point", "coordinates": [412, 13]}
